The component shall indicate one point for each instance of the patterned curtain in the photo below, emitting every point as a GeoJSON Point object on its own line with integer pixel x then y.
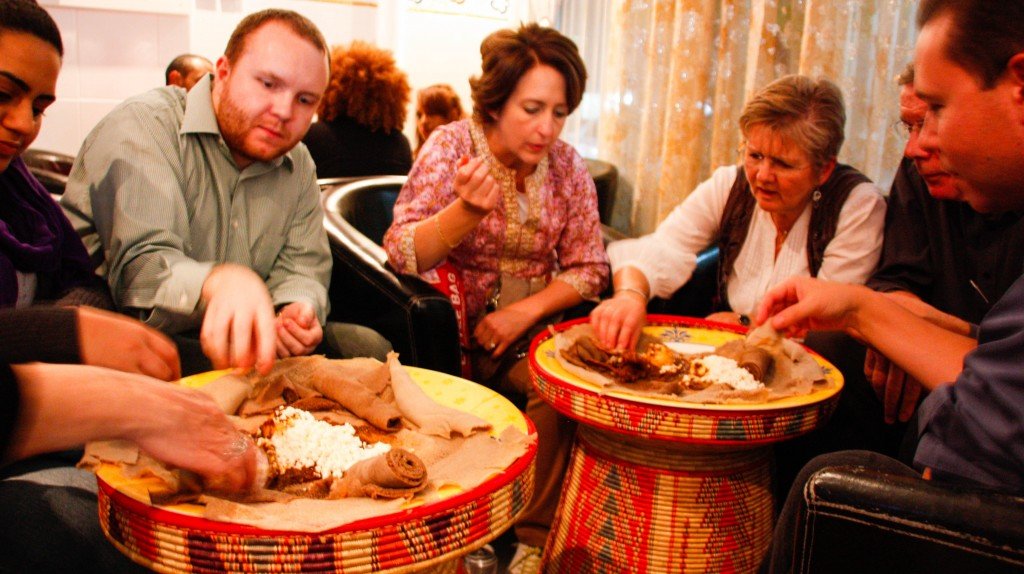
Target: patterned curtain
{"type": "Point", "coordinates": [673, 75]}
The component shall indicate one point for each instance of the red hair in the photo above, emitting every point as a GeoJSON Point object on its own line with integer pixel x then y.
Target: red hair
{"type": "Point", "coordinates": [366, 86]}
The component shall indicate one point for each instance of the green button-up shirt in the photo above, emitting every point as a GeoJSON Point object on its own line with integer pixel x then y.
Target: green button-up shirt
{"type": "Point", "coordinates": [156, 195]}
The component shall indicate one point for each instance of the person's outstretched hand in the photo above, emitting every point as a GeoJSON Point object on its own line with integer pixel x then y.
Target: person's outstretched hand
{"type": "Point", "coordinates": [801, 304]}
{"type": "Point", "coordinates": [185, 429]}
{"type": "Point", "coordinates": [107, 339]}
{"type": "Point", "coordinates": [238, 328]}
{"type": "Point", "coordinates": [66, 406]}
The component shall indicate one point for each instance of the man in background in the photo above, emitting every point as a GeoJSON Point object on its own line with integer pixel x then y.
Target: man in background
{"type": "Point", "coordinates": [204, 210]}
{"type": "Point", "coordinates": [187, 69]}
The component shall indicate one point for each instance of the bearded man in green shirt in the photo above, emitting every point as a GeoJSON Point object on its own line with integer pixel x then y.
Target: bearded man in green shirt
{"type": "Point", "coordinates": [204, 209]}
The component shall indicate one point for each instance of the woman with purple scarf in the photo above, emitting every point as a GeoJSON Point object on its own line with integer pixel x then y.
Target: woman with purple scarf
{"type": "Point", "coordinates": [48, 401]}
{"type": "Point", "coordinates": [41, 256]}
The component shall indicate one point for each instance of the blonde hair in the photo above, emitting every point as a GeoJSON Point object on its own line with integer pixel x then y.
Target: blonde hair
{"type": "Point", "coordinates": [810, 113]}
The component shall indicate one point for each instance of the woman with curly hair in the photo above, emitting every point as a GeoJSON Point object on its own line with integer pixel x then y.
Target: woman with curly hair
{"type": "Point", "coordinates": [436, 106]}
{"type": "Point", "coordinates": [359, 131]}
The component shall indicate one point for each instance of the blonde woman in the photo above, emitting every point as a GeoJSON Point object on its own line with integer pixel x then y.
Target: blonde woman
{"type": "Point", "coordinates": [789, 209]}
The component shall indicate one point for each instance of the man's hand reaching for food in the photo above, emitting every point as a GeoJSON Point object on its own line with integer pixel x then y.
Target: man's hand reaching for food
{"type": "Point", "coordinates": [238, 327]}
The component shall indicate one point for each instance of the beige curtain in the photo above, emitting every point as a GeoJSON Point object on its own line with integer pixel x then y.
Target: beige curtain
{"type": "Point", "coordinates": [676, 73]}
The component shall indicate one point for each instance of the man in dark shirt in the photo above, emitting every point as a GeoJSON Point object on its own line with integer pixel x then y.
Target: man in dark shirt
{"type": "Point", "coordinates": [942, 260]}
{"type": "Point", "coordinates": [969, 62]}
{"type": "Point", "coordinates": [937, 250]}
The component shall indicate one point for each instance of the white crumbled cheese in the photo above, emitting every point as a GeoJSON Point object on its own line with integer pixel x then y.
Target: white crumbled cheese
{"type": "Point", "coordinates": [301, 441]}
{"type": "Point", "coordinates": [724, 370]}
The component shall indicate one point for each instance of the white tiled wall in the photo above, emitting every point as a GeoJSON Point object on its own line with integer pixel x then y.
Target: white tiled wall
{"type": "Point", "coordinates": [122, 49]}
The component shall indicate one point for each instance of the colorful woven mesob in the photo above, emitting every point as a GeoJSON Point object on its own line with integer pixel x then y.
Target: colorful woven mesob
{"type": "Point", "coordinates": [425, 537]}
{"type": "Point", "coordinates": [659, 485]}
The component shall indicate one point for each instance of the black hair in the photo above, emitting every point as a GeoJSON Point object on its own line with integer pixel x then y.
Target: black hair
{"type": "Point", "coordinates": [183, 64]}
{"type": "Point", "coordinates": [983, 35]}
{"type": "Point", "coordinates": [28, 17]}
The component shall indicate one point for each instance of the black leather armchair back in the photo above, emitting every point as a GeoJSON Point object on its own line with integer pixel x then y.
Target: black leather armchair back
{"type": "Point", "coordinates": [49, 160]}
{"type": "Point", "coordinates": [696, 297]}
{"type": "Point", "coordinates": [606, 181]}
{"type": "Point", "coordinates": [419, 321]}
{"type": "Point", "coordinates": [370, 208]}
{"type": "Point", "coordinates": [866, 520]}
{"type": "Point", "coordinates": [50, 168]}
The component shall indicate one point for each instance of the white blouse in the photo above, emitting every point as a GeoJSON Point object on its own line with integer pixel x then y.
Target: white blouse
{"type": "Point", "coordinates": [668, 256]}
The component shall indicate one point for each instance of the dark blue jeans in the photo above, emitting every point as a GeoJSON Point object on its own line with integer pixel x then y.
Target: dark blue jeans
{"type": "Point", "coordinates": [857, 424]}
{"type": "Point", "coordinates": [50, 520]}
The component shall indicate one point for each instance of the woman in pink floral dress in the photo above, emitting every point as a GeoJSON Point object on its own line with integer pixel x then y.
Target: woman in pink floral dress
{"type": "Point", "coordinates": [500, 210]}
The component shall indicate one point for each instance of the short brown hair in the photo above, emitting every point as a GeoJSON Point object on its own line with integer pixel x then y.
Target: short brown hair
{"type": "Point", "coordinates": [185, 64]}
{"type": "Point", "coordinates": [509, 54]}
{"type": "Point", "coordinates": [984, 34]}
{"type": "Point", "coordinates": [439, 100]}
{"type": "Point", "coordinates": [808, 112]}
{"type": "Point", "coordinates": [299, 24]}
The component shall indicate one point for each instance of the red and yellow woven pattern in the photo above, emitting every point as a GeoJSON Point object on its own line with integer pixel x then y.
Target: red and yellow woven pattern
{"type": "Point", "coordinates": [677, 421]}
{"type": "Point", "coordinates": [627, 508]}
{"type": "Point", "coordinates": [406, 542]}
{"type": "Point", "coordinates": [428, 536]}
{"type": "Point", "coordinates": [660, 485]}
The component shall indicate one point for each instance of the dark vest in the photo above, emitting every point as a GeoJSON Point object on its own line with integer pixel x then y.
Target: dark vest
{"type": "Point", "coordinates": [739, 209]}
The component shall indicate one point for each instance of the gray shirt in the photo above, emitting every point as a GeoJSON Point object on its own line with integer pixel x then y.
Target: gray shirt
{"type": "Point", "coordinates": [158, 200]}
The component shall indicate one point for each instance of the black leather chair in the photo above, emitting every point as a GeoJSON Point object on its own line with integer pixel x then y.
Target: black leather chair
{"type": "Point", "coordinates": [865, 520]}
{"type": "Point", "coordinates": [696, 297]}
{"type": "Point", "coordinates": [418, 320]}
{"type": "Point", "coordinates": [49, 160]}
{"type": "Point", "coordinates": [606, 180]}
{"type": "Point", "coordinates": [50, 168]}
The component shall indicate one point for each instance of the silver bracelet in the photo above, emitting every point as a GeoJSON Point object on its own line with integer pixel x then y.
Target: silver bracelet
{"type": "Point", "coordinates": [634, 290]}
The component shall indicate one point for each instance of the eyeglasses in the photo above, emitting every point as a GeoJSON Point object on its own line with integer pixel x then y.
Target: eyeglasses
{"type": "Point", "coordinates": [904, 130]}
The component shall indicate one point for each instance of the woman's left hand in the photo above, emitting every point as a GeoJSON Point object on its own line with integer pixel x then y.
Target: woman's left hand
{"type": "Point", "coordinates": [498, 330]}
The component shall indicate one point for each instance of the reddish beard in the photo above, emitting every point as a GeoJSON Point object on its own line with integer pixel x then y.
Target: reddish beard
{"type": "Point", "coordinates": [237, 127]}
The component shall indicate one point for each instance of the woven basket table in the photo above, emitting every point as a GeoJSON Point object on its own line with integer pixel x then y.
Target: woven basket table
{"type": "Point", "coordinates": [422, 537]}
{"type": "Point", "coordinates": [660, 485]}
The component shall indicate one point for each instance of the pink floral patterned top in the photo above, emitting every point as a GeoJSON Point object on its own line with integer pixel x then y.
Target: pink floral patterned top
{"type": "Point", "coordinates": [561, 236]}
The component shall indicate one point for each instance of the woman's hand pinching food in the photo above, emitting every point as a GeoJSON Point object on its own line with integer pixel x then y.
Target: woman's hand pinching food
{"type": "Point", "coordinates": [189, 431]}
{"type": "Point", "coordinates": [618, 321]}
{"type": "Point", "coordinates": [475, 186]}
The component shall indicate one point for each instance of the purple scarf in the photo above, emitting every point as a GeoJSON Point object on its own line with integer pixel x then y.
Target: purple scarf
{"type": "Point", "coordinates": [31, 229]}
